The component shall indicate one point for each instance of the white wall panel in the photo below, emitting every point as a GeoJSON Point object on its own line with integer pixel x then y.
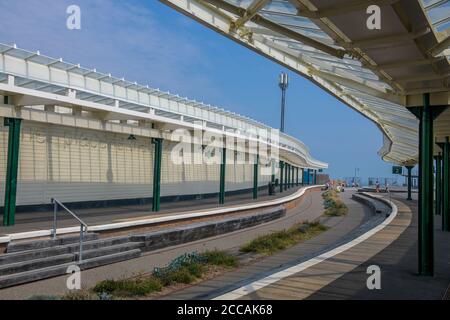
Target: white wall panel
{"type": "Point", "coordinates": [74, 165]}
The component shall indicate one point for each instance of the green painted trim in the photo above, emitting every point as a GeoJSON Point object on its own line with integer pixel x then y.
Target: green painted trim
{"type": "Point", "coordinates": [157, 164]}
{"type": "Point", "coordinates": [426, 194]}
{"type": "Point", "coordinates": [273, 172]}
{"type": "Point", "coordinates": [255, 177]}
{"type": "Point", "coordinates": [446, 186]}
{"type": "Point", "coordinates": [293, 177]}
{"type": "Point", "coordinates": [12, 168]}
{"type": "Point", "coordinates": [409, 169]}
{"type": "Point", "coordinates": [222, 176]}
{"type": "Point", "coordinates": [281, 176]}
{"type": "Point", "coordinates": [438, 189]}
{"type": "Point", "coordinates": [286, 176]}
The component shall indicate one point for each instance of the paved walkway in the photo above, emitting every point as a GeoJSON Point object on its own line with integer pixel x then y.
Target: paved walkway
{"type": "Point", "coordinates": [344, 276]}
{"type": "Point", "coordinates": [33, 221]}
{"type": "Point", "coordinates": [398, 263]}
{"type": "Point", "coordinates": [308, 209]}
{"type": "Point", "coordinates": [340, 228]}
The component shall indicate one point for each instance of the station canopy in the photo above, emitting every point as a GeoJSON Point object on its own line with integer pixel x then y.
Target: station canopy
{"type": "Point", "coordinates": [377, 72]}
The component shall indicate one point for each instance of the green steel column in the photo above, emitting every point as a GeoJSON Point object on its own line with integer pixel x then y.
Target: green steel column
{"type": "Point", "coordinates": [273, 171]}
{"type": "Point", "coordinates": [293, 177]}
{"type": "Point", "coordinates": [158, 142]}
{"type": "Point", "coordinates": [409, 168]}
{"type": "Point", "coordinates": [222, 176]}
{"type": "Point", "coordinates": [286, 176]}
{"type": "Point", "coordinates": [297, 181]}
{"type": "Point", "coordinates": [303, 176]}
{"type": "Point", "coordinates": [11, 170]}
{"type": "Point", "coordinates": [438, 205]}
{"type": "Point", "coordinates": [315, 177]}
{"type": "Point", "coordinates": [281, 176]}
{"type": "Point", "coordinates": [308, 177]}
{"type": "Point", "coordinates": [426, 228]}
{"type": "Point", "coordinates": [255, 177]}
{"type": "Point", "coordinates": [446, 187]}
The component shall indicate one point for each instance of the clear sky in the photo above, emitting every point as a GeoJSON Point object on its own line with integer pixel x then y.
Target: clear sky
{"type": "Point", "coordinates": [147, 42]}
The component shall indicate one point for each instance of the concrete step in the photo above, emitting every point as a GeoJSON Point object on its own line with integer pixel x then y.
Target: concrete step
{"type": "Point", "coordinates": [19, 256]}
{"type": "Point", "coordinates": [47, 243]}
{"type": "Point", "coordinates": [98, 252]}
{"type": "Point", "coordinates": [61, 269]}
{"type": "Point", "coordinates": [29, 265]}
{"type": "Point", "coordinates": [48, 261]}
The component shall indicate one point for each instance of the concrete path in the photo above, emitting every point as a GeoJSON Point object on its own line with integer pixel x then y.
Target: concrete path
{"type": "Point", "coordinates": [341, 227]}
{"type": "Point", "coordinates": [393, 250]}
{"type": "Point", "coordinates": [309, 209]}
{"type": "Point", "coordinates": [398, 263]}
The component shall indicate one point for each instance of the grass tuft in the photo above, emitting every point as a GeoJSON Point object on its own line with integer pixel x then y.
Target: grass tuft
{"type": "Point", "coordinates": [334, 206]}
{"type": "Point", "coordinates": [271, 243]}
{"type": "Point", "coordinates": [185, 269]}
{"type": "Point", "coordinates": [140, 286]}
{"type": "Point", "coordinates": [220, 258]}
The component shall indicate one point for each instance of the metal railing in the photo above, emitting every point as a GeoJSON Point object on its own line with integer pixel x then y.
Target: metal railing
{"type": "Point", "coordinates": [83, 225]}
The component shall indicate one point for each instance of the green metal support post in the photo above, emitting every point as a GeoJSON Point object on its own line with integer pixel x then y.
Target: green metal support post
{"type": "Point", "coordinates": [315, 177]}
{"type": "Point", "coordinates": [222, 176]}
{"type": "Point", "coordinates": [303, 176]}
{"type": "Point", "coordinates": [426, 196]}
{"type": "Point", "coordinates": [438, 205]}
{"type": "Point", "coordinates": [286, 176]}
{"type": "Point", "coordinates": [297, 181]}
{"type": "Point", "coordinates": [409, 169]}
{"type": "Point", "coordinates": [446, 186]}
{"type": "Point", "coordinates": [255, 177]}
{"type": "Point", "coordinates": [158, 142]}
{"type": "Point", "coordinates": [281, 176]}
{"type": "Point", "coordinates": [273, 171]}
{"type": "Point", "coordinates": [11, 170]}
{"type": "Point", "coordinates": [291, 178]}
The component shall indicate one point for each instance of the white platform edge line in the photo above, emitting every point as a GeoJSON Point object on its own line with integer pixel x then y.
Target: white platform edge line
{"type": "Point", "coordinates": [112, 226]}
{"type": "Point", "coordinates": [259, 284]}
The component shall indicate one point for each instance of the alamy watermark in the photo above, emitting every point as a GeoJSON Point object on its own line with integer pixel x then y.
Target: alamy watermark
{"type": "Point", "coordinates": [202, 147]}
{"type": "Point", "coordinates": [73, 21]}
{"type": "Point", "coordinates": [73, 282]}
{"type": "Point", "coordinates": [374, 20]}
{"type": "Point", "coordinates": [374, 280]}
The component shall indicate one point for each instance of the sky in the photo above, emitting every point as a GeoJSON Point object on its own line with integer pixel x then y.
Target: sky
{"type": "Point", "coordinates": [148, 42]}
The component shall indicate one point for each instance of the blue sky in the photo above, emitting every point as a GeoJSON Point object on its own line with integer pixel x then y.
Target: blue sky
{"type": "Point", "coordinates": [147, 42]}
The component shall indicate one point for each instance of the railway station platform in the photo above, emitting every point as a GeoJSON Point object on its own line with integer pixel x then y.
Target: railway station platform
{"type": "Point", "coordinates": [343, 275]}
{"type": "Point", "coordinates": [33, 221]}
{"type": "Point", "coordinates": [314, 270]}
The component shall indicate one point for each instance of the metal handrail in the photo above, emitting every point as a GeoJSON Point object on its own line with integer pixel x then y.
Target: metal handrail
{"type": "Point", "coordinates": [83, 225]}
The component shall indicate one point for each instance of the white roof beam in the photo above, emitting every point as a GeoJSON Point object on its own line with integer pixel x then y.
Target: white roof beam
{"type": "Point", "coordinates": [357, 86]}
{"type": "Point", "coordinates": [422, 77]}
{"type": "Point", "coordinates": [337, 9]}
{"type": "Point", "coordinates": [384, 40]}
{"type": "Point", "coordinates": [403, 63]}
{"type": "Point", "coordinates": [251, 11]}
{"type": "Point", "coordinates": [440, 47]}
{"type": "Point", "coordinates": [436, 4]}
{"type": "Point", "coordinates": [258, 19]}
